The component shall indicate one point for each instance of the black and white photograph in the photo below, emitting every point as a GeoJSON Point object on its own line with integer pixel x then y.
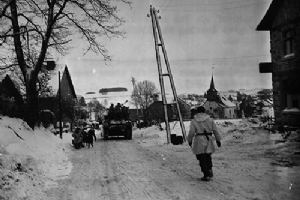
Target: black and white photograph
{"type": "Point", "coordinates": [149, 99]}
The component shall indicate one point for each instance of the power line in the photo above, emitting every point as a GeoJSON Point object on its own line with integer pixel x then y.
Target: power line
{"type": "Point", "coordinates": [222, 2]}
{"type": "Point", "coordinates": [231, 58]}
{"type": "Point", "coordinates": [203, 7]}
{"type": "Point", "coordinates": [199, 59]}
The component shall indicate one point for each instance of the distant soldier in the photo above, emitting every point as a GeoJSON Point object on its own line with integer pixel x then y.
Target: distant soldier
{"type": "Point", "coordinates": [202, 128]}
{"type": "Point", "coordinates": [77, 141]}
{"type": "Point", "coordinates": [125, 113]}
{"type": "Point", "coordinates": [111, 111]}
{"type": "Point", "coordinates": [84, 135]}
{"type": "Point", "coordinates": [90, 137]}
{"type": "Point", "coordinates": [118, 111]}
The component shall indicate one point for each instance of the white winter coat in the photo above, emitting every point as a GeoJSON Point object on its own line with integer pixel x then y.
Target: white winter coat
{"type": "Point", "coordinates": [202, 122]}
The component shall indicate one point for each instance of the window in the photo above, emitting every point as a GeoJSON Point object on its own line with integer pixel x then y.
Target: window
{"type": "Point", "coordinates": [288, 38]}
{"type": "Point", "coordinates": [295, 103]}
{"type": "Point", "coordinates": [293, 100]}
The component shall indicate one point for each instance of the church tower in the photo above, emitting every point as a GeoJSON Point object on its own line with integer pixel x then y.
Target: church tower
{"type": "Point", "coordinates": [212, 93]}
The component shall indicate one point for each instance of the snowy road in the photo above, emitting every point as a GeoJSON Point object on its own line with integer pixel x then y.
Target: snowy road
{"type": "Point", "coordinates": [248, 166]}
{"type": "Point", "coordinates": [252, 164]}
{"type": "Point", "coordinates": [121, 169]}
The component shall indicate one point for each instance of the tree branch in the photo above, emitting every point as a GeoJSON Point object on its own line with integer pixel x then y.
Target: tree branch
{"type": "Point", "coordinates": [8, 66]}
{"type": "Point", "coordinates": [39, 8]}
{"type": "Point", "coordinates": [93, 45]}
{"type": "Point", "coordinates": [45, 41]}
{"type": "Point", "coordinates": [3, 11]}
{"type": "Point", "coordinates": [62, 7]}
{"type": "Point", "coordinates": [81, 6]}
{"type": "Point", "coordinates": [37, 28]}
{"type": "Point", "coordinates": [6, 35]}
{"type": "Point", "coordinates": [17, 39]}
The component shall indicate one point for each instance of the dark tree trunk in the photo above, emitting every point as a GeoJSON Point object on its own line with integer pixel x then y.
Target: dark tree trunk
{"type": "Point", "coordinates": [31, 113]}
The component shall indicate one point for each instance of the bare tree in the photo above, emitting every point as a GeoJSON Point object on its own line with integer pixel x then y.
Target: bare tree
{"type": "Point", "coordinates": [143, 93]}
{"type": "Point", "coordinates": [30, 29]}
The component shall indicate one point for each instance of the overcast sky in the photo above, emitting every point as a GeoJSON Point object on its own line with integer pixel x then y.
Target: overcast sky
{"type": "Point", "coordinates": [199, 35]}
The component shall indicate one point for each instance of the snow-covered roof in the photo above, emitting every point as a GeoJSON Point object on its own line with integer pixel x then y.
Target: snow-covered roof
{"type": "Point", "coordinates": [226, 102]}
{"type": "Point", "coordinates": [267, 102]}
{"type": "Point", "coordinates": [130, 105]}
{"type": "Point", "coordinates": [192, 102]}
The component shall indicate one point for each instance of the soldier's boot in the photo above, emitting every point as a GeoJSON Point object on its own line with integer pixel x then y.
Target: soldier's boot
{"type": "Point", "coordinates": [206, 176]}
{"type": "Point", "coordinates": [210, 173]}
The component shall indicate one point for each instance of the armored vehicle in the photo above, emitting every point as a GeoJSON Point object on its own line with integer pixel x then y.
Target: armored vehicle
{"type": "Point", "coordinates": [117, 123]}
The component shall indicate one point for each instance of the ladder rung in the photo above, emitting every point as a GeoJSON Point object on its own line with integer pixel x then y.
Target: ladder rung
{"type": "Point", "coordinates": [165, 74]}
{"type": "Point", "coordinates": [159, 44]}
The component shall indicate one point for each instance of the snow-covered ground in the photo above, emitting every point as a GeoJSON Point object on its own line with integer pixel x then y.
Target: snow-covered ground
{"type": "Point", "coordinates": [30, 161]}
{"type": "Point", "coordinates": [251, 164]}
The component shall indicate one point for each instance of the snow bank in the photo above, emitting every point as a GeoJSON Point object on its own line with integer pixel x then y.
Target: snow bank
{"type": "Point", "coordinates": [229, 128]}
{"type": "Point", "coordinates": [19, 178]}
{"type": "Point", "coordinates": [154, 136]}
{"type": "Point", "coordinates": [46, 152]}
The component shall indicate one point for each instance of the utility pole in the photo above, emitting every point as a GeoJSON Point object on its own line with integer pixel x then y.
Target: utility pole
{"type": "Point", "coordinates": [157, 34]}
{"type": "Point", "coordinates": [136, 105]}
{"type": "Point", "coordinates": [133, 82]}
{"type": "Point", "coordinates": [60, 107]}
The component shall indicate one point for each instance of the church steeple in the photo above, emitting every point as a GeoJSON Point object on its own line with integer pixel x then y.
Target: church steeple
{"type": "Point", "coordinates": [212, 93]}
{"type": "Point", "coordinates": [212, 84]}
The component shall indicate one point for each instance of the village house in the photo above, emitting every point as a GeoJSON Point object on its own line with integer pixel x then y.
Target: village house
{"type": "Point", "coordinates": [217, 105]}
{"type": "Point", "coordinates": [155, 111]}
{"type": "Point", "coordinates": [135, 113]}
{"type": "Point", "coordinates": [11, 101]}
{"type": "Point", "coordinates": [282, 19]}
{"type": "Point", "coordinates": [68, 100]}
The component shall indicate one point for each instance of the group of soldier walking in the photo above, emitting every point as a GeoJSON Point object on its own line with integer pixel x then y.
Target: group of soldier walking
{"type": "Point", "coordinates": [118, 112]}
{"type": "Point", "coordinates": [83, 137]}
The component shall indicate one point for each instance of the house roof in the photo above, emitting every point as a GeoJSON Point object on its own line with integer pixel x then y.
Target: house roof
{"type": "Point", "coordinates": [67, 73]}
{"type": "Point", "coordinates": [191, 102]}
{"type": "Point", "coordinates": [223, 102]}
{"type": "Point", "coordinates": [8, 86]}
{"type": "Point", "coordinates": [170, 100]}
{"type": "Point", "coordinates": [267, 102]}
{"type": "Point", "coordinates": [226, 102]}
{"type": "Point", "coordinates": [266, 23]}
{"type": "Point", "coordinates": [205, 102]}
{"type": "Point", "coordinates": [131, 105]}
